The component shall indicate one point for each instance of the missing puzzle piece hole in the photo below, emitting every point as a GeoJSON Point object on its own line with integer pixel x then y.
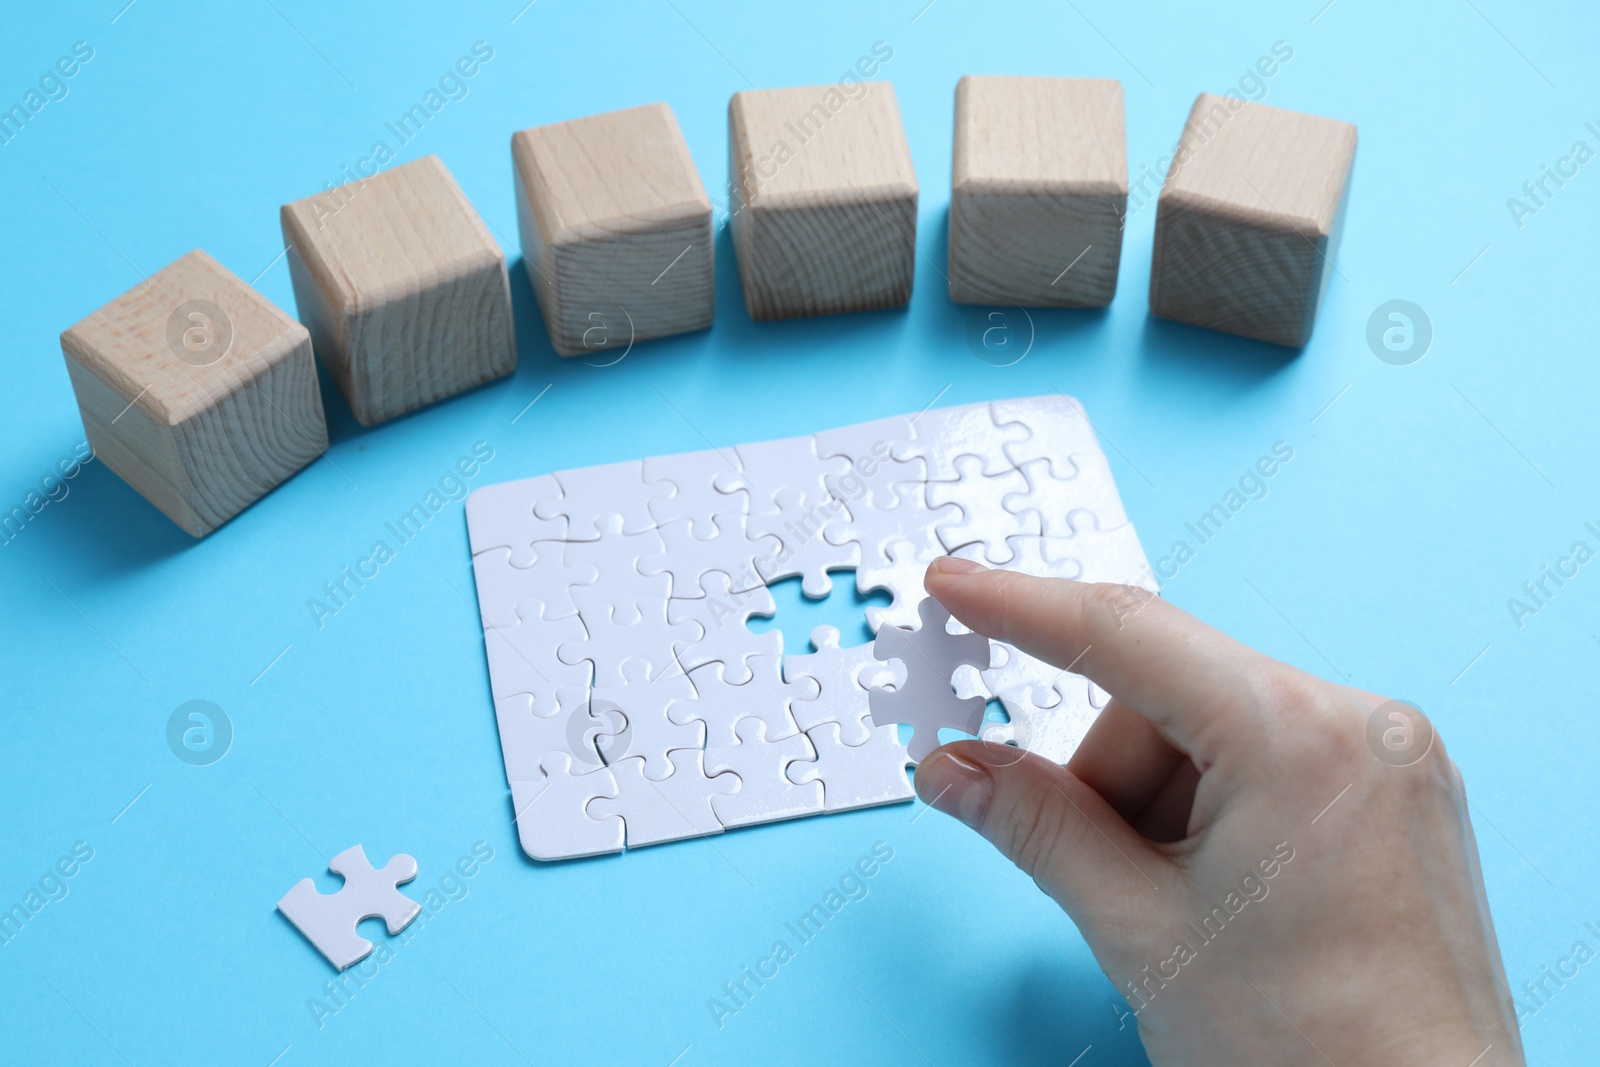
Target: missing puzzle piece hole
{"type": "Point", "coordinates": [797, 615]}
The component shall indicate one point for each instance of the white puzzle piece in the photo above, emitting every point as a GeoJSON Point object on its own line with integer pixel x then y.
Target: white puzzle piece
{"type": "Point", "coordinates": [1089, 487]}
{"type": "Point", "coordinates": [984, 518]}
{"type": "Point", "coordinates": [643, 701]}
{"type": "Point", "coordinates": [856, 776]}
{"type": "Point", "coordinates": [622, 588]}
{"type": "Point", "coordinates": [523, 659]}
{"type": "Point", "coordinates": [526, 735]}
{"type": "Point", "coordinates": [502, 516]}
{"type": "Point", "coordinates": [769, 467]}
{"type": "Point", "coordinates": [875, 478]}
{"type": "Point", "coordinates": [802, 548]}
{"type": "Point", "coordinates": [720, 704]}
{"type": "Point", "coordinates": [670, 809]}
{"type": "Point", "coordinates": [901, 577]}
{"type": "Point", "coordinates": [723, 617]}
{"type": "Point", "coordinates": [766, 794]}
{"type": "Point", "coordinates": [329, 920]}
{"type": "Point", "coordinates": [927, 701]}
{"type": "Point", "coordinates": [691, 477]}
{"type": "Point", "coordinates": [908, 519]}
{"type": "Point", "coordinates": [1057, 427]}
{"type": "Point", "coordinates": [842, 677]}
{"type": "Point", "coordinates": [616, 601]}
{"type": "Point", "coordinates": [540, 589]}
{"type": "Point", "coordinates": [551, 820]}
{"type": "Point", "coordinates": [688, 553]}
{"type": "Point", "coordinates": [943, 434]}
{"type": "Point", "coordinates": [615, 489]}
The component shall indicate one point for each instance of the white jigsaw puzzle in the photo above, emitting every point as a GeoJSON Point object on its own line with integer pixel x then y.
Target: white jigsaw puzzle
{"type": "Point", "coordinates": [636, 706]}
{"type": "Point", "coordinates": [329, 920]}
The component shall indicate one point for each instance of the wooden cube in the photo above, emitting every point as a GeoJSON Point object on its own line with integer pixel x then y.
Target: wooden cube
{"type": "Point", "coordinates": [403, 289]}
{"type": "Point", "coordinates": [1249, 219]}
{"type": "Point", "coordinates": [197, 390]}
{"type": "Point", "coordinates": [616, 229]}
{"type": "Point", "coordinates": [1039, 187]}
{"type": "Point", "coordinates": [824, 199]}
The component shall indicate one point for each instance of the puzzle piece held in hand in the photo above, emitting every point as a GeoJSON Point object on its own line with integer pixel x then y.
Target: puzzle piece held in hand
{"type": "Point", "coordinates": [329, 920]}
{"type": "Point", "coordinates": [927, 701]}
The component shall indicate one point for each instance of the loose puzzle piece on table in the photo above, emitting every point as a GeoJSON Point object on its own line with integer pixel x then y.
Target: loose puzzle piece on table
{"type": "Point", "coordinates": [329, 920]}
{"type": "Point", "coordinates": [635, 705]}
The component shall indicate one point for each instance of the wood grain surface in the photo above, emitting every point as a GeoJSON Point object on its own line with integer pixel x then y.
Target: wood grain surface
{"type": "Point", "coordinates": [402, 287]}
{"type": "Point", "coordinates": [197, 390]}
{"type": "Point", "coordinates": [824, 199]}
{"type": "Point", "coordinates": [615, 227]}
{"type": "Point", "coordinates": [1247, 229]}
{"type": "Point", "coordinates": [1039, 185]}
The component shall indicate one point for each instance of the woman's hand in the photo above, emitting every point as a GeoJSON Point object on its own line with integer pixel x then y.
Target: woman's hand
{"type": "Point", "coordinates": [1269, 867]}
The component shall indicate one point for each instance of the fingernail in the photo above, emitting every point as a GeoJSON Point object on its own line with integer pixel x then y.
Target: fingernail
{"type": "Point", "coordinates": [956, 787]}
{"type": "Point", "coordinates": [956, 565]}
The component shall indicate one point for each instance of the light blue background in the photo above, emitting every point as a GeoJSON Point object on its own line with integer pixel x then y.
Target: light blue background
{"type": "Point", "coordinates": [1415, 505]}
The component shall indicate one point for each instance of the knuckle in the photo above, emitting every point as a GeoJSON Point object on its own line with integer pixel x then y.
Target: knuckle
{"type": "Point", "coordinates": [1119, 603]}
{"type": "Point", "coordinates": [1311, 721]}
{"type": "Point", "coordinates": [1033, 836]}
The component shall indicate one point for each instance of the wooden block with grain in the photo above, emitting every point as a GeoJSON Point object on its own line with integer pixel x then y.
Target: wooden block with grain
{"type": "Point", "coordinates": [1039, 186]}
{"type": "Point", "coordinates": [824, 199]}
{"type": "Point", "coordinates": [616, 229]}
{"type": "Point", "coordinates": [1248, 224]}
{"type": "Point", "coordinates": [197, 390]}
{"type": "Point", "coordinates": [403, 289]}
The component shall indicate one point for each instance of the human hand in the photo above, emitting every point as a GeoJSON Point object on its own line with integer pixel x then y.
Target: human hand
{"type": "Point", "coordinates": [1258, 882]}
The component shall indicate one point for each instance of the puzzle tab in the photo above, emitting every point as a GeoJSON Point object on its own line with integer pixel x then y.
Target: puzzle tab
{"type": "Point", "coordinates": [329, 920]}
{"type": "Point", "coordinates": [637, 707]}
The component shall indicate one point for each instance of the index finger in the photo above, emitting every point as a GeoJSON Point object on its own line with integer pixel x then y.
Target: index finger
{"type": "Point", "coordinates": [1198, 685]}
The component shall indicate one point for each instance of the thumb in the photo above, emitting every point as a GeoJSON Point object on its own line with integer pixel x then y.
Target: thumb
{"type": "Point", "coordinates": [1059, 831]}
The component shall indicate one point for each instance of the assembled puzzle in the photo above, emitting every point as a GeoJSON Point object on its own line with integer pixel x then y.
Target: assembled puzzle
{"type": "Point", "coordinates": [634, 704]}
